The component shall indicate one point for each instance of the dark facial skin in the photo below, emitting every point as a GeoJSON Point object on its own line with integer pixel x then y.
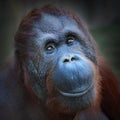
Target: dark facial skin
{"type": "Point", "coordinates": [59, 51]}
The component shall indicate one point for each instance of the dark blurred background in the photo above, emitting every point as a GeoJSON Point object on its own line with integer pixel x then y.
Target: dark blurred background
{"type": "Point", "coordinates": [101, 16]}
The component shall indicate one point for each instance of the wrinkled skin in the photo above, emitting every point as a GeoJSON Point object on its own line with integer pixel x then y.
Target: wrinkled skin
{"type": "Point", "coordinates": [57, 73]}
{"type": "Point", "coordinates": [61, 46]}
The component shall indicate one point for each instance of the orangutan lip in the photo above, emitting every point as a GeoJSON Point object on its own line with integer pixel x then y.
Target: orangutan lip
{"type": "Point", "coordinates": [75, 94]}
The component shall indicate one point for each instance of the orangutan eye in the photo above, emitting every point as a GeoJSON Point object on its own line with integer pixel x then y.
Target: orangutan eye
{"type": "Point", "coordinates": [70, 39]}
{"type": "Point", "coordinates": [50, 47]}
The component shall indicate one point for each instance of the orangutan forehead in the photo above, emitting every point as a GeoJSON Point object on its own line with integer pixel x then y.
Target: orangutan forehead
{"type": "Point", "coordinates": [49, 23]}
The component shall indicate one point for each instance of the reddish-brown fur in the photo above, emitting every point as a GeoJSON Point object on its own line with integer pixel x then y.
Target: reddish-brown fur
{"type": "Point", "coordinates": [25, 105]}
{"type": "Point", "coordinates": [110, 92]}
